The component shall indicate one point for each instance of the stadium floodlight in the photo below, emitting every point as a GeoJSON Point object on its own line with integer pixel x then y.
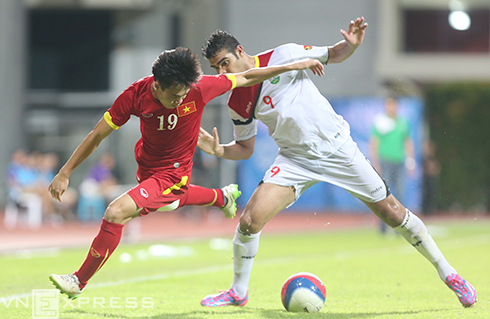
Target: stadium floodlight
{"type": "Point", "coordinates": [458, 17]}
{"type": "Point", "coordinates": [459, 20]}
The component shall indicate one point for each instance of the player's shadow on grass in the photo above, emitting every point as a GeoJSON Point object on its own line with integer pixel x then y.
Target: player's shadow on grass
{"type": "Point", "coordinates": [220, 312]}
{"type": "Point", "coordinates": [333, 315]}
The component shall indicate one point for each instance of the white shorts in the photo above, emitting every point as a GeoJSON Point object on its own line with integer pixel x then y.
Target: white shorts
{"type": "Point", "coordinates": [346, 168]}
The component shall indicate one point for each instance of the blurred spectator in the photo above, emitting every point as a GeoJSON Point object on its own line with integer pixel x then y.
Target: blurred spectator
{"type": "Point", "coordinates": [21, 178]}
{"type": "Point", "coordinates": [54, 211]}
{"type": "Point", "coordinates": [28, 178]}
{"type": "Point", "coordinates": [432, 168]}
{"type": "Point", "coordinates": [103, 171]}
{"type": "Point", "coordinates": [96, 189]}
{"type": "Point", "coordinates": [47, 164]}
{"type": "Point", "coordinates": [392, 149]}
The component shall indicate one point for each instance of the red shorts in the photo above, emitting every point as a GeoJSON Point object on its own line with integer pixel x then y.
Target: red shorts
{"type": "Point", "coordinates": [159, 190]}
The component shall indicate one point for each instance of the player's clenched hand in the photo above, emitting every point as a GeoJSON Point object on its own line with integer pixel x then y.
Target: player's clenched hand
{"type": "Point", "coordinates": [356, 31]}
{"type": "Point", "coordinates": [58, 186]}
{"type": "Point", "coordinates": [209, 143]}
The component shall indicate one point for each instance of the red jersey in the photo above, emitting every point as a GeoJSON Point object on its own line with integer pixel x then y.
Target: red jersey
{"type": "Point", "coordinates": [169, 136]}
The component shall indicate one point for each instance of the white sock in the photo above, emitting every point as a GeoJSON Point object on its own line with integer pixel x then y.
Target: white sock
{"type": "Point", "coordinates": [245, 247]}
{"type": "Point", "coordinates": [415, 232]}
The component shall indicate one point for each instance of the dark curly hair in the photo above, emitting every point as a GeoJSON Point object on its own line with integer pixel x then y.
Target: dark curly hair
{"type": "Point", "coordinates": [217, 41]}
{"type": "Point", "coordinates": [178, 67]}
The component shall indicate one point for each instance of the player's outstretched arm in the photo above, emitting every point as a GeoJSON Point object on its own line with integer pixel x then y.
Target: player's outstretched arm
{"type": "Point", "coordinates": [232, 151]}
{"type": "Point", "coordinates": [257, 75]}
{"type": "Point", "coordinates": [353, 37]}
{"type": "Point", "coordinates": [60, 182]}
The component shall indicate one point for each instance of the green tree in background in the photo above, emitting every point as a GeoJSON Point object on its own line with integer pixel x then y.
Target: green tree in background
{"type": "Point", "coordinates": [459, 119]}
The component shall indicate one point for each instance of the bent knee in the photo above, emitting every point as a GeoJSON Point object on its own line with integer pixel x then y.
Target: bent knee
{"type": "Point", "coordinates": [390, 210]}
{"type": "Point", "coordinates": [114, 213]}
{"type": "Point", "coordinates": [121, 210]}
{"type": "Point", "coordinates": [250, 225]}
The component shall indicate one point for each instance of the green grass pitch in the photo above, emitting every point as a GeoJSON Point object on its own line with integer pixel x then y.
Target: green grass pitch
{"type": "Point", "coordinates": [366, 276]}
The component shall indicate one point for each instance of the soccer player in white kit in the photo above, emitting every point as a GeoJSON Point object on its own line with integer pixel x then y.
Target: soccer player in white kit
{"type": "Point", "coordinates": [314, 146]}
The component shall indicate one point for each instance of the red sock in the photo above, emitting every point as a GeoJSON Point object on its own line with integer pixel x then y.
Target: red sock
{"type": "Point", "coordinates": [102, 247]}
{"type": "Point", "coordinates": [201, 196]}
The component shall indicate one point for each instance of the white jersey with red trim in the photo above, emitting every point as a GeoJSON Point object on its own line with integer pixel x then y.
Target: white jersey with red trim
{"type": "Point", "coordinates": [298, 116]}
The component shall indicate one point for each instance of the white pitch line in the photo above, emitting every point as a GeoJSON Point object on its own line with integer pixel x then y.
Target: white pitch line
{"type": "Point", "coordinates": [474, 240]}
{"type": "Point", "coordinates": [7, 299]}
{"type": "Point", "coordinates": [183, 273]}
{"type": "Point", "coordinates": [31, 253]}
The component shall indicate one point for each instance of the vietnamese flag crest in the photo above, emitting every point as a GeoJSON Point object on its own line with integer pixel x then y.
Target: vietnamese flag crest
{"type": "Point", "coordinates": [186, 109]}
{"type": "Point", "coordinates": [307, 47]}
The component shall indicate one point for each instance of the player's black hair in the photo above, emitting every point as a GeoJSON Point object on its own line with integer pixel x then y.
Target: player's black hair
{"type": "Point", "coordinates": [217, 41]}
{"type": "Point", "coordinates": [178, 67]}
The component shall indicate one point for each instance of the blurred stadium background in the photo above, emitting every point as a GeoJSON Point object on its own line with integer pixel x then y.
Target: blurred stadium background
{"type": "Point", "coordinates": [63, 62]}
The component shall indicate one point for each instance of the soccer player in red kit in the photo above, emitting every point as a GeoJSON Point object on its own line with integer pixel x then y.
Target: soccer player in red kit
{"type": "Point", "coordinates": [169, 104]}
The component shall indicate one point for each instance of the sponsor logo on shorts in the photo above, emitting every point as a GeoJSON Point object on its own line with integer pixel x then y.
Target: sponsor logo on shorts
{"type": "Point", "coordinates": [376, 190]}
{"type": "Point", "coordinates": [147, 115]}
{"type": "Point", "coordinates": [144, 193]}
{"type": "Point", "coordinates": [248, 257]}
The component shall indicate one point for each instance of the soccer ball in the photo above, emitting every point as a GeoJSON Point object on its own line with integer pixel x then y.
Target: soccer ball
{"type": "Point", "coordinates": [303, 292]}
